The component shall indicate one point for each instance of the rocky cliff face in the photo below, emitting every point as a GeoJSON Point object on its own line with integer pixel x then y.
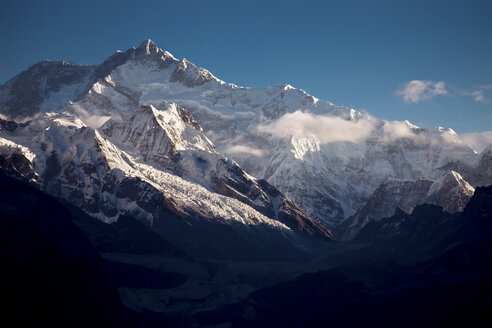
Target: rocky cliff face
{"type": "Point", "coordinates": [478, 173]}
{"type": "Point", "coordinates": [43, 87]}
{"type": "Point", "coordinates": [451, 192]}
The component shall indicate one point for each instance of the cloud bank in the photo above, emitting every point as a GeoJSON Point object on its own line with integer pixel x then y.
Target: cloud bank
{"type": "Point", "coordinates": [326, 128]}
{"type": "Point", "coordinates": [398, 129]}
{"type": "Point", "coordinates": [329, 129]}
{"type": "Point", "coordinates": [478, 141]}
{"type": "Point", "coordinates": [89, 119]}
{"type": "Point", "coordinates": [242, 149]}
{"type": "Point", "coordinates": [417, 90]}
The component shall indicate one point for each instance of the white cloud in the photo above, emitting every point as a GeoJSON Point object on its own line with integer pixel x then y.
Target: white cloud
{"type": "Point", "coordinates": [326, 128]}
{"type": "Point", "coordinates": [479, 94]}
{"type": "Point", "coordinates": [417, 90]}
{"type": "Point", "coordinates": [397, 129]}
{"type": "Point", "coordinates": [242, 149]}
{"type": "Point", "coordinates": [91, 120]}
{"type": "Point", "coordinates": [477, 141]}
{"type": "Point", "coordinates": [329, 129]}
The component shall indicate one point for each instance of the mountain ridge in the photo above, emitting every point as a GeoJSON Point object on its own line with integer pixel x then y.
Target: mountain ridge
{"type": "Point", "coordinates": [330, 175]}
{"type": "Point", "coordinates": [108, 175]}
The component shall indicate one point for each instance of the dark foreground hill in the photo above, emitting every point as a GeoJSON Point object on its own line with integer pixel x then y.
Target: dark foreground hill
{"type": "Point", "coordinates": [427, 269]}
{"type": "Point", "coordinates": [50, 273]}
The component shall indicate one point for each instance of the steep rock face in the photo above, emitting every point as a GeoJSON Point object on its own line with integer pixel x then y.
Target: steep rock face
{"type": "Point", "coordinates": [43, 87]}
{"type": "Point", "coordinates": [68, 160]}
{"type": "Point", "coordinates": [478, 173]}
{"type": "Point", "coordinates": [450, 192]}
{"type": "Point", "coordinates": [190, 75]}
{"type": "Point", "coordinates": [429, 229]}
{"type": "Point", "coordinates": [389, 196]}
{"type": "Point", "coordinates": [170, 138]}
{"type": "Point", "coordinates": [50, 84]}
{"type": "Point", "coordinates": [159, 135]}
{"type": "Point", "coordinates": [330, 178]}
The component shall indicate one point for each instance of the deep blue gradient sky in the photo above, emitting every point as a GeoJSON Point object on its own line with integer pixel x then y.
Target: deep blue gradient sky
{"type": "Point", "coordinates": [353, 53]}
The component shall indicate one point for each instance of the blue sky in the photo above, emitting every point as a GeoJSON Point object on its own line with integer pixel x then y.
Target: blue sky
{"type": "Point", "coordinates": [361, 54]}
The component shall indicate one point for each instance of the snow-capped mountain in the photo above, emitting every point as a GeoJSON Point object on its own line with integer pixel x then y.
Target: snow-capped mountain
{"type": "Point", "coordinates": [328, 159]}
{"type": "Point", "coordinates": [156, 162]}
{"type": "Point", "coordinates": [450, 192]}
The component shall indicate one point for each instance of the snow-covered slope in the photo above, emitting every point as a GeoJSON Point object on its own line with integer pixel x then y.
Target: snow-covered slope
{"type": "Point", "coordinates": [151, 162]}
{"type": "Point", "coordinates": [328, 159]}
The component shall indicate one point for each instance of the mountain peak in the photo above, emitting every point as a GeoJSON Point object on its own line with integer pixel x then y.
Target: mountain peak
{"type": "Point", "coordinates": [148, 46]}
{"type": "Point", "coordinates": [149, 50]}
{"type": "Point", "coordinates": [445, 182]}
